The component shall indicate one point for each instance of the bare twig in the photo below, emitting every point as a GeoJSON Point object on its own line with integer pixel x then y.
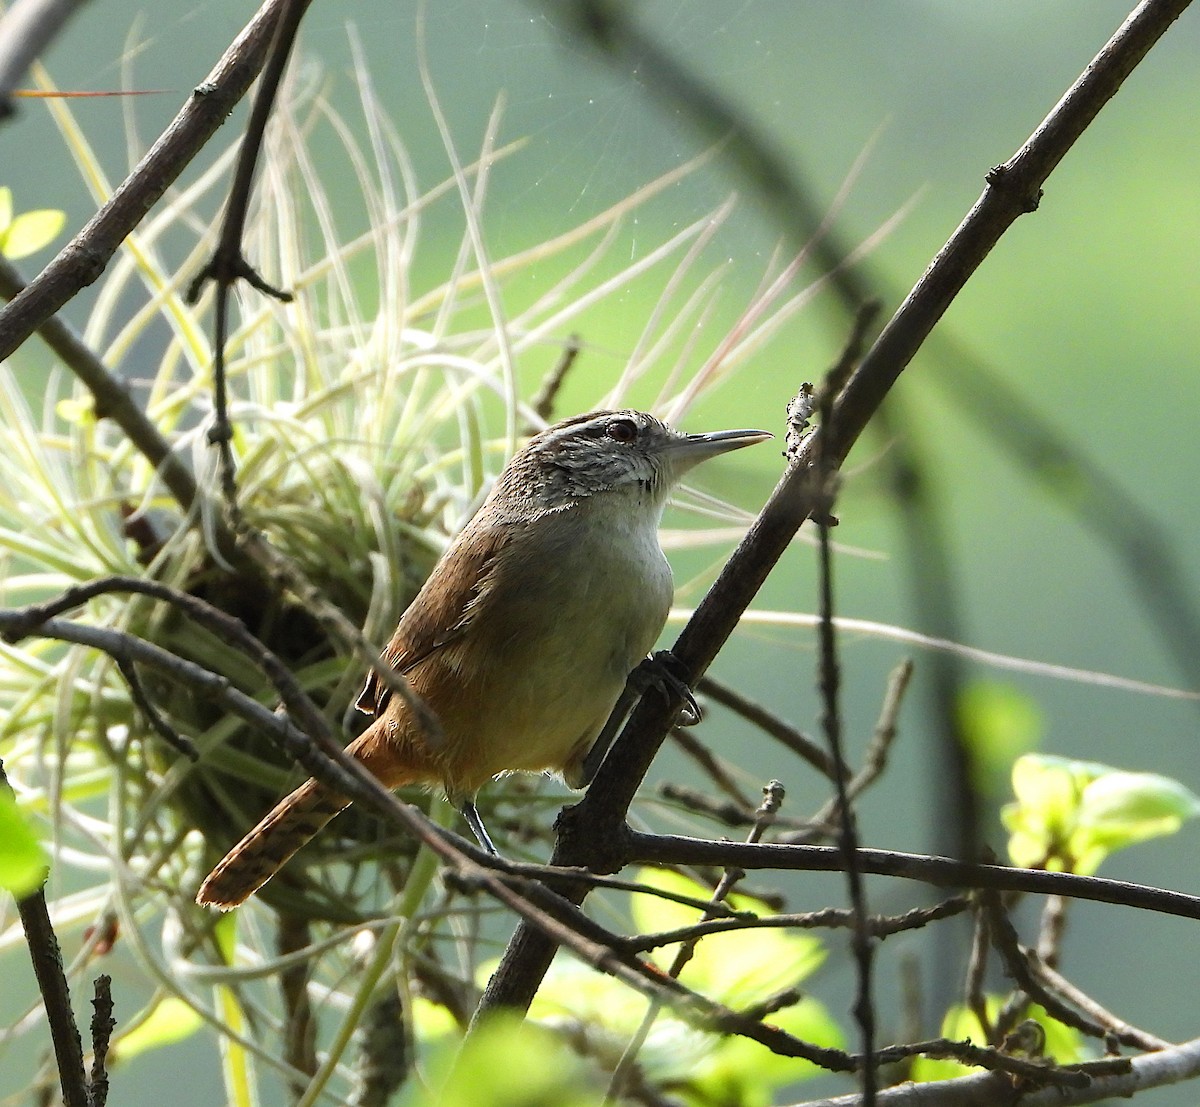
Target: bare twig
{"type": "Point", "coordinates": [178, 742]}
{"type": "Point", "coordinates": [977, 962]}
{"type": "Point", "coordinates": [592, 832]}
{"type": "Point", "coordinates": [84, 258]}
{"type": "Point", "coordinates": [822, 825]}
{"type": "Point", "coordinates": [768, 722]}
{"type": "Point", "coordinates": [1017, 962]}
{"type": "Point", "coordinates": [713, 766]}
{"type": "Point", "coordinates": [46, 955]}
{"type": "Point", "coordinates": [545, 397]}
{"type": "Point", "coordinates": [992, 1089]}
{"type": "Point", "coordinates": [764, 817]}
{"type": "Point", "coordinates": [829, 683]}
{"type": "Point", "coordinates": [1125, 1032]}
{"type": "Point", "coordinates": [1050, 933]}
{"type": "Point", "coordinates": [103, 1025]}
{"type": "Point", "coordinates": [228, 263]}
{"type": "Point", "coordinates": [945, 872]}
{"type": "Point", "coordinates": [727, 811]}
{"type": "Point", "coordinates": [881, 926]}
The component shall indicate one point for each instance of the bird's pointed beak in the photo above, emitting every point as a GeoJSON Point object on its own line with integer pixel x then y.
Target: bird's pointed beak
{"type": "Point", "coordinates": [691, 449]}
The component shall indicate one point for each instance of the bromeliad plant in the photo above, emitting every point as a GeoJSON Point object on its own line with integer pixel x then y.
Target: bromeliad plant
{"type": "Point", "coordinates": [368, 414]}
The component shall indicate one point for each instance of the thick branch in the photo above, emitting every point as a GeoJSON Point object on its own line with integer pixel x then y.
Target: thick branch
{"type": "Point", "coordinates": [597, 823]}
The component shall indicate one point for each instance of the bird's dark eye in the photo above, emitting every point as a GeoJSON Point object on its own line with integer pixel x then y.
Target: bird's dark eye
{"type": "Point", "coordinates": [622, 430]}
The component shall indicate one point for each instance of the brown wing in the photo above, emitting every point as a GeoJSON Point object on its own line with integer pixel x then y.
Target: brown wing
{"type": "Point", "coordinates": [441, 612]}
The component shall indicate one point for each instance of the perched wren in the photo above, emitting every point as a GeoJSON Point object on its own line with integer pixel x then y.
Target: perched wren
{"type": "Point", "coordinates": [523, 637]}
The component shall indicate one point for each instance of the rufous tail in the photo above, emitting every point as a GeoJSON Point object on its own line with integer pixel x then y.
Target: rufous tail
{"type": "Point", "coordinates": [263, 851]}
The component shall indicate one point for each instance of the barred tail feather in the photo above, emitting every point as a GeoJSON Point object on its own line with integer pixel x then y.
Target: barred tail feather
{"type": "Point", "coordinates": [265, 849]}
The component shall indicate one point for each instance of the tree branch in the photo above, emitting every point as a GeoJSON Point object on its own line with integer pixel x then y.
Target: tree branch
{"type": "Point", "coordinates": [46, 955]}
{"type": "Point", "coordinates": [1150, 1070]}
{"type": "Point", "coordinates": [85, 257]}
{"type": "Point", "coordinates": [593, 832]}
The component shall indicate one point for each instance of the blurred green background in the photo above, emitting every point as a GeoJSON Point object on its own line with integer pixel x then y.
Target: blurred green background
{"type": "Point", "coordinates": [1088, 310]}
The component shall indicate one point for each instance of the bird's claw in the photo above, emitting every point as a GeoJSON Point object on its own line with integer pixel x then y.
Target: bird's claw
{"type": "Point", "coordinates": [663, 670]}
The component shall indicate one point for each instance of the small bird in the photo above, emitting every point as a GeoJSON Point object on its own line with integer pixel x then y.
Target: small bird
{"type": "Point", "coordinates": [524, 636]}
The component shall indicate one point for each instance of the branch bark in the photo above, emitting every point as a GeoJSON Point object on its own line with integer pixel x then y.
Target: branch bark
{"type": "Point", "coordinates": [85, 257]}
{"type": "Point", "coordinates": [989, 1089]}
{"type": "Point", "coordinates": [594, 831]}
{"type": "Point", "coordinates": [46, 955]}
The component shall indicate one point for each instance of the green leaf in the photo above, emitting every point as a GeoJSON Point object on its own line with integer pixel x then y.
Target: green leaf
{"type": "Point", "coordinates": [1120, 809]}
{"type": "Point", "coordinates": [30, 231]}
{"type": "Point", "coordinates": [5, 210]}
{"type": "Point", "coordinates": [510, 1063]}
{"type": "Point", "coordinates": [169, 1022]}
{"type": "Point", "coordinates": [739, 967]}
{"type": "Point", "coordinates": [22, 860]}
{"type": "Point", "coordinates": [1070, 815]}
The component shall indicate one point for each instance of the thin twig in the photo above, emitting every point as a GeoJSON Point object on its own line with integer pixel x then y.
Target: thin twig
{"type": "Point", "coordinates": [103, 1025]}
{"type": "Point", "coordinates": [977, 962]}
{"type": "Point", "coordinates": [593, 831]}
{"type": "Point", "coordinates": [228, 263]}
{"type": "Point", "coordinates": [545, 397]}
{"type": "Point", "coordinates": [829, 684]}
{"type": "Point", "coordinates": [823, 824]}
{"type": "Point", "coordinates": [1050, 932]}
{"type": "Point", "coordinates": [1006, 943]}
{"type": "Point", "coordinates": [881, 926]}
{"type": "Point", "coordinates": [178, 742]}
{"type": "Point", "coordinates": [712, 765]}
{"type": "Point", "coordinates": [84, 258]}
{"type": "Point", "coordinates": [768, 722]}
{"type": "Point", "coordinates": [1125, 1031]}
{"type": "Point", "coordinates": [944, 872]}
{"type": "Point", "coordinates": [764, 817]}
{"type": "Point", "coordinates": [1151, 1070]}
{"type": "Point", "coordinates": [726, 811]}
{"type": "Point", "coordinates": [46, 955]}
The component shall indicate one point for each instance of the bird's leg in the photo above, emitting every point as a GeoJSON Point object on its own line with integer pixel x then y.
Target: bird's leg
{"type": "Point", "coordinates": [660, 671]}
{"type": "Point", "coordinates": [471, 813]}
